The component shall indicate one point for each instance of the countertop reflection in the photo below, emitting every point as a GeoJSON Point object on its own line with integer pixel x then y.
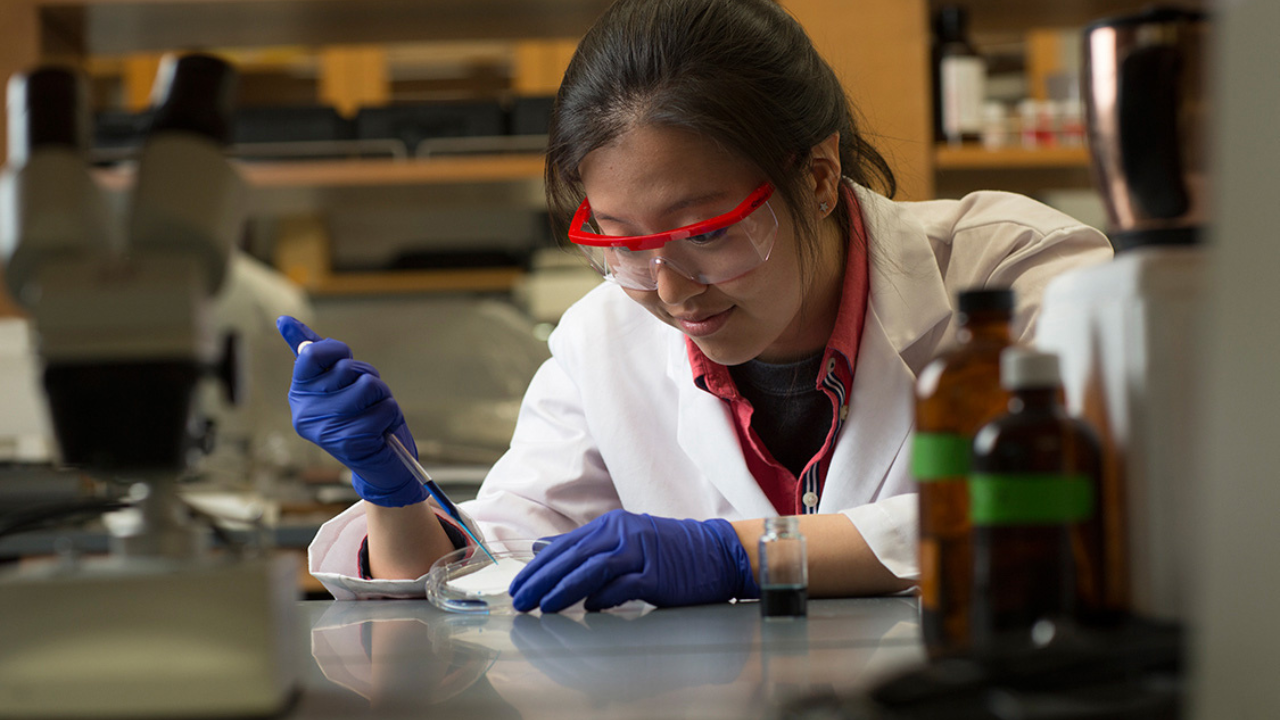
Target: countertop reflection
{"type": "Point", "coordinates": [406, 658]}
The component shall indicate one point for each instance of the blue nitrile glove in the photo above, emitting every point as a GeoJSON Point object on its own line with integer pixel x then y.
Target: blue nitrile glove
{"type": "Point", "coordinates": [342, 405]}
{"type": "Point", "coordinates": [623, 556]}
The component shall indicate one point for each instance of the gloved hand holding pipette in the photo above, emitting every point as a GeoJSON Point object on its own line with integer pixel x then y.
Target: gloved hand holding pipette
{"type": "Point", "coordinates": [343, 405]}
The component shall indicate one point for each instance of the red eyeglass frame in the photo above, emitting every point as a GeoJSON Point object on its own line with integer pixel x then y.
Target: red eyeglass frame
{"type": "Point", "coordinates": [758, 197]}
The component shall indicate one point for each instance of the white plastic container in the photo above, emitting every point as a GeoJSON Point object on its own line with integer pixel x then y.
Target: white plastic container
{"type": "Point", "coordinates": [1127, 335]}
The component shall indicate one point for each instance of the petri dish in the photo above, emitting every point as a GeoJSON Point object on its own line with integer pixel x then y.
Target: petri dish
{"type": "Point", "coordinates": [467, 581]}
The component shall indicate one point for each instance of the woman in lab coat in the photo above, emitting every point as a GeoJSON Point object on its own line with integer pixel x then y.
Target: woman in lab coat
{"type": "Point", "coordinates": [754, 353]}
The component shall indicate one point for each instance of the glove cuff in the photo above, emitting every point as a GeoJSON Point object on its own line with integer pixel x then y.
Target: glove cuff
{"type": "Point", "coordinates": [411, 492]}
{"type": "Point", "coordinates": [747, 588]}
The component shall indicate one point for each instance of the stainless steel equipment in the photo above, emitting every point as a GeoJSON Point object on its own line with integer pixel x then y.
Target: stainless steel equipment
{"type": "Point", "coordinates": [1146, 105]}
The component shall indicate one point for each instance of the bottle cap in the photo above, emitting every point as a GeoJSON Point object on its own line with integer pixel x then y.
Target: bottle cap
{"type": "Point", "coordinates": [985, 300]}
{"type": "Point", "coordinates": [1026, 369]}
{"type": "Point", "coordinates": [952, 22]}
{"type": "Point", "coordinates": [782, 524]}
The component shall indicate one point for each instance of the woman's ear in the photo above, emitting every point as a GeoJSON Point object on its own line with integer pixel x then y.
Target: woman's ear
{"type": "Point", "coordinates": [824, 166]}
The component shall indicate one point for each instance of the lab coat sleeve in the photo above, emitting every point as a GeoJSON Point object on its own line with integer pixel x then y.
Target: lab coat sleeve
{"type": "Point", "coordinates": [333, 558]}
{"type": "Point", "coordinates": [552, 479]}
{"type": "Point", "coordinates": [889, 527]}
{"type": "Point", "coordinates": [1006, 240]}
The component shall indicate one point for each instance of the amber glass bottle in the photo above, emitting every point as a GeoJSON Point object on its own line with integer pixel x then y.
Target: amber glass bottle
{"type": "Point", "coordinates": [957, 393]}
{"type": "Point", "coordinates": [1033, 502]}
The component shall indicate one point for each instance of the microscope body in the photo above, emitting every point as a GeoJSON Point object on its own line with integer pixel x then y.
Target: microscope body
{"type": "Point", "coordinates": [125, 327]}
{"type": "Point", "coordinates": [162, 627]}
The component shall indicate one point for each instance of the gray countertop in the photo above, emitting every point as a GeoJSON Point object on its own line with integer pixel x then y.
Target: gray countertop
{"type": "Point", "coordinates": [406, 658]}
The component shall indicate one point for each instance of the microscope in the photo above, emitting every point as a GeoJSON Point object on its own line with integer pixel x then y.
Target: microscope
{"type": "Point", "coordinates": [166, 625]}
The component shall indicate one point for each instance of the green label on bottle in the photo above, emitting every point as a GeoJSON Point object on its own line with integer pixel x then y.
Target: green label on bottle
{"type": "Point", "coordinates": [1030, 499]}
{"type": "Point", "coordinates": [939, 456]}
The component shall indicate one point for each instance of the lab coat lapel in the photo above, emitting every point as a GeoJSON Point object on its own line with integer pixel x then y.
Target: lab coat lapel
{"type": "Point", "coordinates": [880, 418]}
{"type": "Point", "coordinates": [908, 293]}
{"type": "Point", "coordinates": [908, 301]}
{"type": "Point", "coordinates": [704, 431]}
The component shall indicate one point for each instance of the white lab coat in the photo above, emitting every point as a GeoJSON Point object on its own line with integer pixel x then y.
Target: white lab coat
{"type": "Point", "coordinates": [614, 420]}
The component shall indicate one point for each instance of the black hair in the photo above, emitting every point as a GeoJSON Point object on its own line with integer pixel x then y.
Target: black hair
{"type": "Point", "coordinates": [742, 73]}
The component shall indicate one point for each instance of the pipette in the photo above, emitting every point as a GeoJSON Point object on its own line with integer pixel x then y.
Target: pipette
{"type": "Point", "coordinates": [443, 500]}
{"type": "Point", "coordinates": [414, 467]}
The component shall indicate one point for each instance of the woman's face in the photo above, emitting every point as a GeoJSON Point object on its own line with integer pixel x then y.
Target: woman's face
{"type": "Point", "coordinates": [653, 179]}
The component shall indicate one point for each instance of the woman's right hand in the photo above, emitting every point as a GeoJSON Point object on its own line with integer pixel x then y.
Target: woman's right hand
{"type": "Point", "coordinates": [342, 405]}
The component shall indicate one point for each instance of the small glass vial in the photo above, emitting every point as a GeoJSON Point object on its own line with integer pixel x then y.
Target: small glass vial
{"type": "Point", "coordinates": [784, 570]}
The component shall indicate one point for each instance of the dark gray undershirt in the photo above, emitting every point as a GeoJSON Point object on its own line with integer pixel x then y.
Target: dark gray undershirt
{"type": "Point", "coordinates": [790, 414]}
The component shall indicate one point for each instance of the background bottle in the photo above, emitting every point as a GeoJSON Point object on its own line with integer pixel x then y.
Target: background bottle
{"type": "Point", "coordinates": [1037, 543]}
{"type": "Point", "coordinates": [957, 394]}
{"type": "Point", "coordinates": [995, 125]}
{"type": "Point", "coordinates": [959, 78]}
{"type": "Point", "coordinates": [784, 569]}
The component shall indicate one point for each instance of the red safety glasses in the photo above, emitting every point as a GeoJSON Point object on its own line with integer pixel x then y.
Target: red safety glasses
{"type": "Point", "coordinates": [711, 251]}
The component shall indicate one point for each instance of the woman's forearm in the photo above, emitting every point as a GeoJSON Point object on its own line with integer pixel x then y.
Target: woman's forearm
{"type": "Point", "coordinates": [404, 541]}
{"type": "Point", "coordinates": [841, 563]}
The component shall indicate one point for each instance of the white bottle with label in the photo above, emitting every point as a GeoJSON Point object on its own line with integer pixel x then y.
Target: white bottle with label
{"type": "Point", "coordinates": [961, 77]}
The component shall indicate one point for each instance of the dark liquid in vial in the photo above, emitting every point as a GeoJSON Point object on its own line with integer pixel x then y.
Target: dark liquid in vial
{"type": "Point", "coordinates": [784, 601]}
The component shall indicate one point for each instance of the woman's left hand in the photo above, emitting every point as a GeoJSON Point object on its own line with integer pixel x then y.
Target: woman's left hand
{"type": "Point", "coordinates": [623, 556]}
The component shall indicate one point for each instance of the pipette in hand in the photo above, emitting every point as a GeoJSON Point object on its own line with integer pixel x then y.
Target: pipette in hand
{"type": "Point", "coordinates": [412, 464]}
{"type": "Point", "coordinates": [291, 329]}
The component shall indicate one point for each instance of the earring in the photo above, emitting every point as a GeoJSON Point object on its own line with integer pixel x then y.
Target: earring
{"type": "Point", "coordinates": [822, 207]}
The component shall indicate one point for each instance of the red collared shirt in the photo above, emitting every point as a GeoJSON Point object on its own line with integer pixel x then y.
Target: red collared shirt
{"type": "Point", "coordinates": [789, 494]}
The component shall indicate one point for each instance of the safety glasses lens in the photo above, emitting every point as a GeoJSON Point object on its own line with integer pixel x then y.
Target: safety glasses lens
{"type": "Point", "coordinates": [713, 257]}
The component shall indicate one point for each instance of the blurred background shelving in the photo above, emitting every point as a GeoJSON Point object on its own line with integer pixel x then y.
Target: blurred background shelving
{"type": "Point", "coordinates": [968, 157]}
{"type": "Point", "coordinates": [353, 57]}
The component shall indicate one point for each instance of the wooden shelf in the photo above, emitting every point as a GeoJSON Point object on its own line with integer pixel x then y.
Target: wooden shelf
{"type": "Point", "coordinates": [121, 26]}
{"type": "Point", "coordinates": [974, 157]}
{"type": "Point", "coordinates": [476, 168]}
{"type": "Point", "coordinates": [1015, 16]}
{"type": "Point", "coordinates": [417, 281]}
{"type": "Point", "coordinates": [368, 173]}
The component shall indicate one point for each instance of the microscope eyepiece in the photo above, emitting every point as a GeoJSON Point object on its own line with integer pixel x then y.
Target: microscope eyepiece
{"type": "Point", "coordinates": [195, 93]}
{"type": "Point", "coordinates": [47, 107]}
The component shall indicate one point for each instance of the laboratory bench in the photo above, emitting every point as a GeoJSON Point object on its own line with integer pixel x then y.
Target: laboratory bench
{"type": "Point", "coordinates": [406, 658]}
{"type": "Point", "coordinates": [93, 539]}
